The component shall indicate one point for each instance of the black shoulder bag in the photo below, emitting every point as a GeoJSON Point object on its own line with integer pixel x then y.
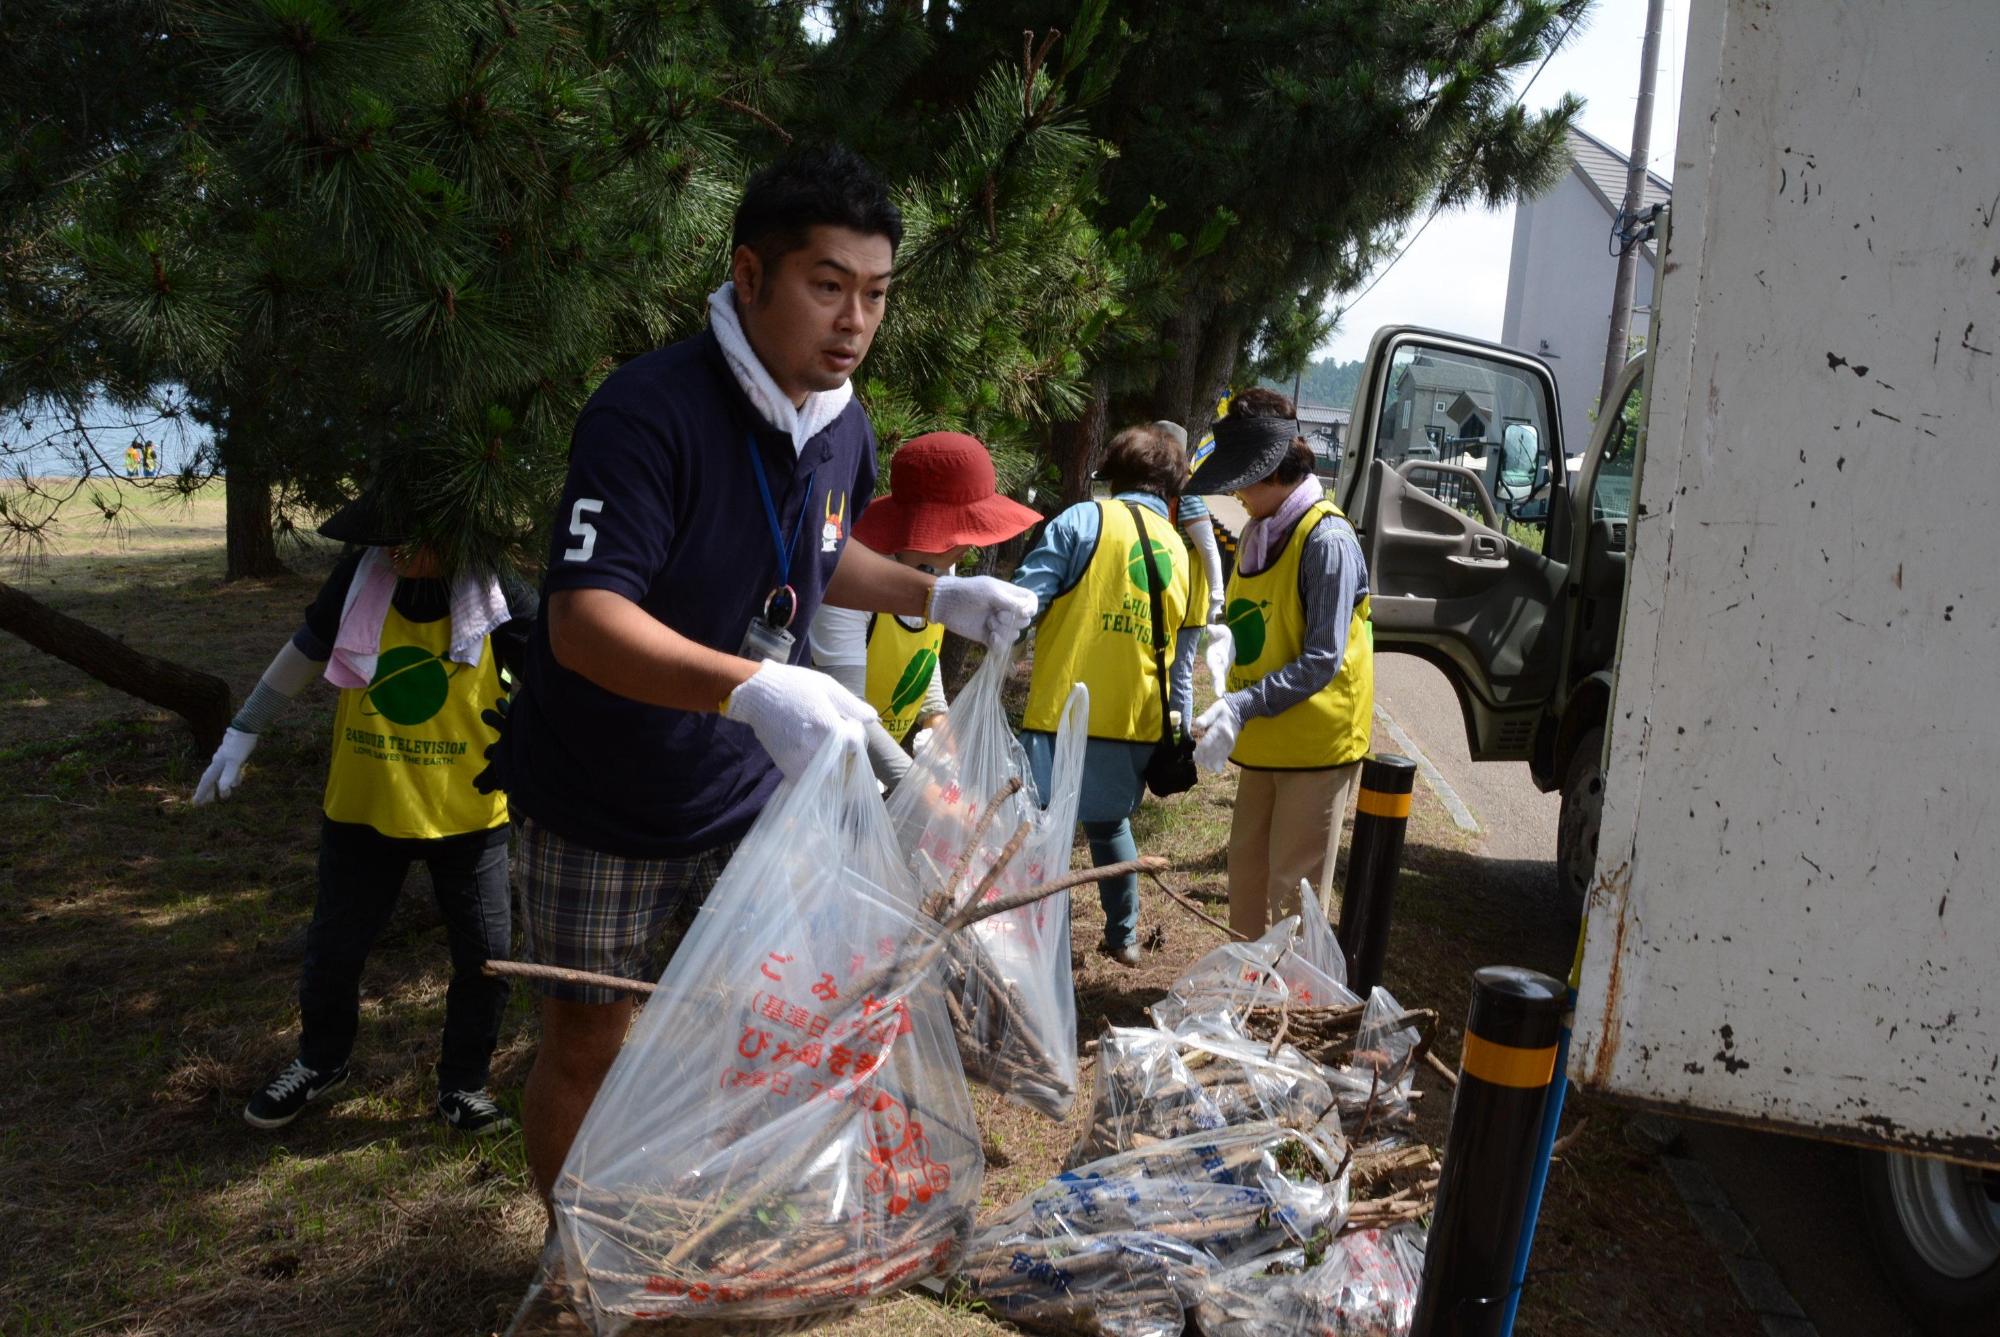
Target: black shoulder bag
{"type": "Point", "coordinates": [1170, 770]}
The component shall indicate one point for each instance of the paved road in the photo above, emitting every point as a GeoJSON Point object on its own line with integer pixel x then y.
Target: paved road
{"type": "Point", "coordinates": [1516, 821]}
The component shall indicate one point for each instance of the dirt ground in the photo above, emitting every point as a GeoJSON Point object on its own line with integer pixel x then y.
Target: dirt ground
{"type": "Point", "coordinates": [148, 969]}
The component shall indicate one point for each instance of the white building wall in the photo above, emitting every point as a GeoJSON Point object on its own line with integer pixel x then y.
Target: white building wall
{"type": "Point", "coordinates": [1559, 291]}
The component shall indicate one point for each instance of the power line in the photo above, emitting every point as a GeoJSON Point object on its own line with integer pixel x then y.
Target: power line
{"type": "Point", "coordinates": [1437, 208]}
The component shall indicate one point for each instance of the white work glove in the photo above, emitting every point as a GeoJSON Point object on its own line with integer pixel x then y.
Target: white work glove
{"type": "Point", "coordinates": [1215, 610]}
{"type": "Point", "coordinates": [919, 741]}
{"type": "Point", "coordinates": [793, 710]}
{"type": "Point", "coordinates": [225, 768]}
{"type": "Point", "coordinates": [1218, 651]}
{"type": "Point", "coordinates": [981, 608]}
{"type": "Point", "coordinates": [1215, 736]}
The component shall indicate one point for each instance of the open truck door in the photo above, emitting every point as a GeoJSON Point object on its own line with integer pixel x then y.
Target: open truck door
{"type": "Point", "coordinates": [1442, 426]}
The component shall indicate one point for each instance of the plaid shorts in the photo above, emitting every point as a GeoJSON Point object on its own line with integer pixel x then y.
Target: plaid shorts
{"type": "Point", "coordinates": [583, 909]}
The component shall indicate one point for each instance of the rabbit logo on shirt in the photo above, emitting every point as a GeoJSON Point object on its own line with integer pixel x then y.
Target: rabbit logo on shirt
{"type": "Point", "coordinates": [831, 531]}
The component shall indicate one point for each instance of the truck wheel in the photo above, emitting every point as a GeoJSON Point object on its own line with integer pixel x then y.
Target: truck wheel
{"type": "Point", "coordinates": [1936, 1228]}
{"type": "Point", "coordinates": [1582, 814]}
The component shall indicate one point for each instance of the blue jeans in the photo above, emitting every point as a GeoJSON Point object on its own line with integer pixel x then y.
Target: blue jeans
{"type": "Point", "coordinates": [1111, 842]}
{"type": "Point", "coordinates": [1113, 783]}
{"type": "Point", "coordinates": [360, 874]}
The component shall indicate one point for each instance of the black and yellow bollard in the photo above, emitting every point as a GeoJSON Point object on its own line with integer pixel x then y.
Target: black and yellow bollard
{"type": "Point", "coordinates": [1368, 900]}
{"type": "Point", "coordinates": [1489, 1157]}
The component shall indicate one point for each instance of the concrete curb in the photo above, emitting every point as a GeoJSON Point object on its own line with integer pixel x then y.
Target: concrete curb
{"type": "Point", "coordinates": [1756, 1280]}
{"type": "Point", "coordinates": [1460, 814]}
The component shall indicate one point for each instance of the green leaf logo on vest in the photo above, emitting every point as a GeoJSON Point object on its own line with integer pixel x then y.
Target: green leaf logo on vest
{"type": "Point", "coordinates": [1135, 565]}
{"type": "Point", "coordinates": [916, 677]}
{"type": "Point", "coordinates": [409, 686]}
{"type": "Point", "coordinates": [1246, 626]}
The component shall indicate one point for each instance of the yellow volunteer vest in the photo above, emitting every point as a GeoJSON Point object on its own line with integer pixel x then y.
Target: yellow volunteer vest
{"type": "Point", "coordinates": [1267, 617]}
{"type": "Point", "coordinates": [1100, 631]}
{"type": "Point", "coordinates": [405, 747]}
{"type": "Point", "coordinates": [900, 663]}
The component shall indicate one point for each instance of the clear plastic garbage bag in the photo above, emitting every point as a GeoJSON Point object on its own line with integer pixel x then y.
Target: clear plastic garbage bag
{"type": "Point", "coordinates": [1233, 1192]}
{"type": "Point", "coordinates": [1364, 1286]}
{"type": "Point", "coordinates": [1373, 1091]}
{"type": "Point", "coordinates": [1317, 944]}
{"type": "Point", "coordinates": [1386, 1043]}
{"type": "Point", "coordinates": [1284, 964]}
{"type": "Point", "coordinates": [1012, 997]}
{"type": "Point", "coordinates": [1153, 1085]}
{"type": "Point", "coordinates": [787, 1130]}
{"type": "Point", "coordinates": [1124, 1283]}
{"type": "Point", "coordinates": [1313, 967]}
{"type": "Point", "coordinates": [1231, 980]}
{"type": "Point", "coordinates": [1144, 1093]}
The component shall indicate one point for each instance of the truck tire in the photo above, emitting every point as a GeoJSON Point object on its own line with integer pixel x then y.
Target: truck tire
{"type": "Point", "coordinates": [1936, 1228]}
{"type": "Point", "coordinates": [1582, 815]}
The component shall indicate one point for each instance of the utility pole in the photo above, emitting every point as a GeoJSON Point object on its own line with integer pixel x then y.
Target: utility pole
{"type": "Point", "coordinates": [1635, 195]}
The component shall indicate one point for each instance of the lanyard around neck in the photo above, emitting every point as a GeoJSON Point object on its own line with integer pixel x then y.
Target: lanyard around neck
{"type": "Point", "coordinates": [784, 551]}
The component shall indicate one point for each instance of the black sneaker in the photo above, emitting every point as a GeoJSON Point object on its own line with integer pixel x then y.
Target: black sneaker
{"type": "Point", "coordinates": [473, 1113]}
{"type": "Point", "coordinates": [1125, 954]}
{"type": "Point", "coordinates": [289, 1092]}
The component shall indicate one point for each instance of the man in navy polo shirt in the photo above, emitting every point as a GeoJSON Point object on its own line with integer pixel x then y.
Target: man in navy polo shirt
{"type": "Point", "coordinates": [711, 487]}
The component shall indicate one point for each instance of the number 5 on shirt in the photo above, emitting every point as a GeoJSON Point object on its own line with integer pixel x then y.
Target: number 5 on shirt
{"type": "Point", "coordinates": [583, 529]}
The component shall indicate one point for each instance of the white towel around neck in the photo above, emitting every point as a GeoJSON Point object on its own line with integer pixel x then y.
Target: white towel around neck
{"type": "Point", "coordinates": [804, 422]}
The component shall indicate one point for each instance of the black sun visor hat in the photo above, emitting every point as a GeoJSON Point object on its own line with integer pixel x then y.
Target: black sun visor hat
{"type": "Point", "coordinates": [368, 520]}
{"type": "Point", "coordinates": [1247, 450]}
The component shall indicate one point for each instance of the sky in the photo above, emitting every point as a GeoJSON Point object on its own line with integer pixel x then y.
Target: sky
{"type": "Point", "coordinates": [1454, 277]}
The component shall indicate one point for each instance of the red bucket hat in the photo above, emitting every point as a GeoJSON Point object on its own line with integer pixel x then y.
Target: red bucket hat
{"type": "Point", "coordinates": [941, 495]}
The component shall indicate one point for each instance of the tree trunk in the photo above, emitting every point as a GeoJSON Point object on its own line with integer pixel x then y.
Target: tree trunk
{"type": "Point", "coordinates": [1221, 342]}
{"type": "Point", "coordinates": [1078, 446]}
{"type": "Point", "coordinates": [1175, 395]}
{"type": "Point", "coordinates": [202, 699]}
{"type": "Point", "coordinates": [252, 551]}
{"type": "Point", "coordinates": [1206, 341]}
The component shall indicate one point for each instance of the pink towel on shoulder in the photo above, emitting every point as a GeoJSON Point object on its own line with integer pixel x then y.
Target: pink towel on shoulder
{"type": "Point", "coordinates": [358, 643]}
{"type": "Point", "coordinates": [478, 605]}
{"type": "Point", "coordinates": [1257, 535]}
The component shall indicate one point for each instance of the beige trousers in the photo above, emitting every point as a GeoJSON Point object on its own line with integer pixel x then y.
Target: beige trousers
{"type": "Point", "coordinates": [1286, 828]}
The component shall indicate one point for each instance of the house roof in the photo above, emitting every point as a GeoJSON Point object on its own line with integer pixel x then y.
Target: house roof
{"type": "Point", "coordinates": [1603, 169]}
{"type": "Point", "coordinates": [1321, 414]}
{"type": "Point", "coordinates": [1426, 373]}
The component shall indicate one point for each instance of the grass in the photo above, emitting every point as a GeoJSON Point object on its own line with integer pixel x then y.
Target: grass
{"type": "Point", "coordinates": [149, 958]}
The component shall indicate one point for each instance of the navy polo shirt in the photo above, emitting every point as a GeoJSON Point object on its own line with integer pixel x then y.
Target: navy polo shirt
{"type": "Point", "coordinates": [661, 506]}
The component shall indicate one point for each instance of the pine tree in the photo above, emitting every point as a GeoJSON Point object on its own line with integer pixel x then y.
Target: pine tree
{"type": "Point", "coordinates": [1006, 291]}
{"type": "Point", "coordinates": [1286, 147]}
{"type": "Point", "coordinates": [404, 239]}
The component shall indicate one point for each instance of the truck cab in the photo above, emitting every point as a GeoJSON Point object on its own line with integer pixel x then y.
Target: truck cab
{"type": "Point", "coordinates": [1497, 552]}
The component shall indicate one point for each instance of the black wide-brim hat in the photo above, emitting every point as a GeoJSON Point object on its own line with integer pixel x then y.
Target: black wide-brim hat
{"type": "Point", "coordinates": [369, 521]}
{"type": "Point", "coordinates": [1247, 450]}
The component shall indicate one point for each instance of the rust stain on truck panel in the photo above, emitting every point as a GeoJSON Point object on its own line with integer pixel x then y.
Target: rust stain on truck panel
{"type": "Point", "coordinates": [1615, 887]}
{"type": "Point", "coordinates": [1872, 1132]}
